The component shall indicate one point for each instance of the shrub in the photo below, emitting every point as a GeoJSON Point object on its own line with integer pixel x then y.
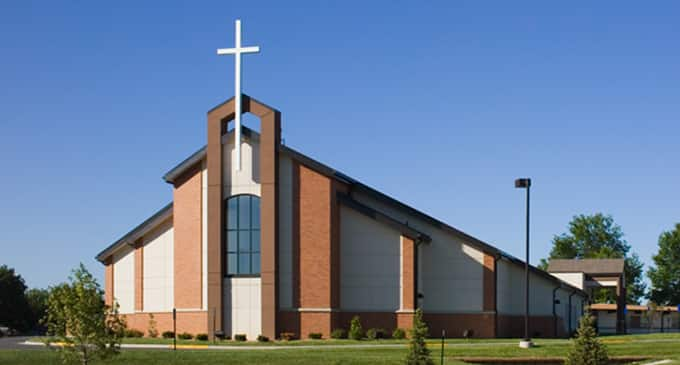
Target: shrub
{"type": "Point", "coordinates": [356, 332]}
{"type": "Point", "coordinates": [240, 337]}
{"type": "Point", "coordinates": [375, 333]}
{"type": "Point", "coordinates": [287, 336]}
{"type": "Point", "coordinates": [338, 333]}
{"type": "Point", "coordinates": [152, 331]}
{"type": "Point", "coordinates": [315, 336]}
{"type": "Point", "coordinates": [587, 349]}
{"type": "Point", "coordinates": [262, 338]}
{"type": "Point", "coordinates": [168, 334]}
{"type": "Point", "coordinates": [418, 354]}
{"type": "Point", "coordinates": [398, 334]}
{"type": "Point", "coordinates": [133, 333]}
{"type": "Point", "coordinates": [202, 337]}
{"type": "Point", "coordinates": [185, 336]}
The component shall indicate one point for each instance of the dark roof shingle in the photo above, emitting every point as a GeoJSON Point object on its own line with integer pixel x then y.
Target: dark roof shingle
{"type": "Point", "coordinates": [587, 266]}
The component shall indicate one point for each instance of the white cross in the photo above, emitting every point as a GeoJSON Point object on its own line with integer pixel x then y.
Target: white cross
{"type": "Point", "coordinates": [237, 51]}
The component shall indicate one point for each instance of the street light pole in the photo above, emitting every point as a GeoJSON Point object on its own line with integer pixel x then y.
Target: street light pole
{"type": "Point", "coordinates": [525, 183]}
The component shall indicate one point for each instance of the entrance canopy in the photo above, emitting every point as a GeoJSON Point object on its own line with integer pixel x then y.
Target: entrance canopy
{"type": "Point", "coordinates": [595, 273]}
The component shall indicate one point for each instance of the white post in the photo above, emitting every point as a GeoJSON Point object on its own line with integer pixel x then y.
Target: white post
{"type": "Point", "coordinates": [237, 96]}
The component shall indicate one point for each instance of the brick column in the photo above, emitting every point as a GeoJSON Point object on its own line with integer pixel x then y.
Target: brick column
{"type": "Point", "coordinates": [216, 126]}
{"type": "Point", "coordinates": [408, 283]}
{"type": "Point", "coordinates": [187, 211]}
{"type": "Point", "coordinates": [319, 251]}
{"type": "Point", "coordinates": [108, 282]}
{"type": "Point", "coordinates": [489, 286]}
{"type": "Point", "coordinates": [139, 275]}
{"type": "Point", "coordinates": [270, 139]}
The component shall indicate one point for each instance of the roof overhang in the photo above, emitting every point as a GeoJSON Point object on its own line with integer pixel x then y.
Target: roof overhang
{"type": "Point", "coordinates": [403, 228]}
{"type": "Point", "coordinates": [136, 233]}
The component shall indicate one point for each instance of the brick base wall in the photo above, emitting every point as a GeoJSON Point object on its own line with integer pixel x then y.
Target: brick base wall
{"type": "Point", "coordinates": [191, 322]}
{"type": "Point", "coordinates": [539, 326]}
{"type": "Point", "coordinates": [455, 324]}
{"type": "Point", "coordinates": [483, 325]}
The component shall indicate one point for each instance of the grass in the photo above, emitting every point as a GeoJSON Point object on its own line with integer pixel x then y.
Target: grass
{"type": "Point", "coordinates": [661, 346]}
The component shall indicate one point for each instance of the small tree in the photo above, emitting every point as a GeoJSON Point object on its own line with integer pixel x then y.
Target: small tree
{"type": "Point", "coordinates": [78, 318]}
{"type": "Point", "coordinates": [153, 331]}
{"type": "Point", "coordinates": [587, 349]}
{"type": "Point", "coordinates": [356, 332]}
{"type": "Point", "coordinates": [418, 353]}
{"type": "Point", "coordinates": [651, 315]}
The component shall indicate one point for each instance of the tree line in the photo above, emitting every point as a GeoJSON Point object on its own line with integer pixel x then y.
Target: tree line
{"type": "Point", "coordinates": [21, 309]}
{"type": "Point", "coordinates": [597, 236]}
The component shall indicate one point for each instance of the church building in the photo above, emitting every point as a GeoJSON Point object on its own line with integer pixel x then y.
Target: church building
{"type": "Point", "coordinates": [262, 239]}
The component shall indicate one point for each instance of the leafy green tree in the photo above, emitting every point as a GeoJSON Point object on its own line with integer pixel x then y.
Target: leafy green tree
{"type": "Point", "coordinates": [78, 318]}
{"type": "Point", "coordinates": [418, 353]}
{"type": "Point", "coordinates": [598, 237]}
{"type": "Point", "coordinates": [14, 311]}
{"type": "Point", "coordinates": [37, 304]}
{"type": "Point", "coordinates": [665, 275]}
{"type": "Point", "coordinates": [587, 349]}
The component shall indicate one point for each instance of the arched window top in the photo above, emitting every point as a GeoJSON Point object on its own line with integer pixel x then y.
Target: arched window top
{"type": "Point", "coordinates": [242, 235]}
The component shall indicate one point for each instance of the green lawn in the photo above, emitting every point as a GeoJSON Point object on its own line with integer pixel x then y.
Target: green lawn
{"type": "Point", "coordinates": [661, 346]}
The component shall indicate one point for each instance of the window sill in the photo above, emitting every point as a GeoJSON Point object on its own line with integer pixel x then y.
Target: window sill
{"type": "Point", "coordinates": [242, 276]}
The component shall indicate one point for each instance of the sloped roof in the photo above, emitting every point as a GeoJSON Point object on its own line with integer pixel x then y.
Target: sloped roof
{"type": "Point", "coordinates": [199, 155]}
{"type": "Point", "coordinates": [587, 266]}
{"type": "Point", "coordinates": [137, 232]}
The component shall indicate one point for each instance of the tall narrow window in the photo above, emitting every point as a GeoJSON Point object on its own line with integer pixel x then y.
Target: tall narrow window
{"type": "Point", "coordinates": [242, 234]}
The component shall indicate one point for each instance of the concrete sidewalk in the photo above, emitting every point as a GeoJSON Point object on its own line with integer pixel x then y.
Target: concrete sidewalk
{"type": "Point", "coordinates": [274, 347]}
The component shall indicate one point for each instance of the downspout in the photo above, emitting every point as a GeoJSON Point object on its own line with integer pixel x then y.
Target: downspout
{"type": "Point", "coordinates": [554, 306]}
{"type": "Point", "coordinates": [570, 295]}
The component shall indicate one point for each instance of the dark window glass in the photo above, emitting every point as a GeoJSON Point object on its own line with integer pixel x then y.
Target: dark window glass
{"type": "Point", "coordinates": [244, 263]}
{"type": "Point", "coordinates": [232, 266]}
{"type": "Point", "coordinates": [244, 212]}
{"type": "Point", "coordinates": [255, 212]}
{"type": "Point", "coordinates": [232, 213]}
{"type": "Point", "coordinates": [255, 240]}
{"type": "Point", "coordinates": [243, 240]}
{"type": "Point", "coordinates": [242, 235]}
{"type": "Point", "coordinates": [255, 262]}
{"type": "Point", "coordinates": [232, 241]}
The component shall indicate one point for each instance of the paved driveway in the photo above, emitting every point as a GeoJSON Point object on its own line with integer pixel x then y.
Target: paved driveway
{"type": "Point", "coordinates": [15, 343]}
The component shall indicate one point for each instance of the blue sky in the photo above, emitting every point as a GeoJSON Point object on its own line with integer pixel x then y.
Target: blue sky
{"type": "Point", "coordinates": [440, 105]}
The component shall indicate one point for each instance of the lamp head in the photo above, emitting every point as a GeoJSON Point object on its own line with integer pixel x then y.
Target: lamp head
{"type": "Point", "coordinates": [523, 183]}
